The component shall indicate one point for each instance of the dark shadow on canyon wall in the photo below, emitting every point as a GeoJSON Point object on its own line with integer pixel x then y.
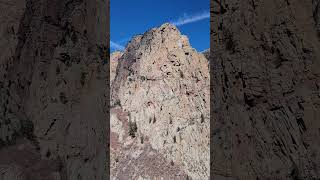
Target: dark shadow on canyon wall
{"type": "Point", "coordinates": [265, 69]}
{"type": "Point", "coordinates": [54, 91]}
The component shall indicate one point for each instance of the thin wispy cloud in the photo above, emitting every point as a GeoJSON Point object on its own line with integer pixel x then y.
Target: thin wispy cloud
{"type": "Point", "coordinates": [116, 46]}
{"type": "Point", "coordinates": [186, 19]}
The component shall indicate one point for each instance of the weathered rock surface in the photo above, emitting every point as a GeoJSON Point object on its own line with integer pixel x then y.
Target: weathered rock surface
{"type": "Point", "coordinates": [52, 89]}
{"type": "Point", "coordinates": [316, 14]}
{"type": "Point", "coordinates": [266, 97]}
{"type": "Point", "coordinates": [114, 57]}
{"type": "Point", "coordinates": [206, 53]}
{"type": "Point", "coordinates": [160, 115]}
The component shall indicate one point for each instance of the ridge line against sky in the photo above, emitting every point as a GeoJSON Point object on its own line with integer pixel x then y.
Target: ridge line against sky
{"type": "Point", "coordinates": [116, 46]}
{"type": "Point", "coordinates": [179, 22]}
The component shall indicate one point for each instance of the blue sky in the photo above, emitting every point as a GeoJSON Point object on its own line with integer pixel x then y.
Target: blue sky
{"type": "Point", "coordinates": [132, 17]}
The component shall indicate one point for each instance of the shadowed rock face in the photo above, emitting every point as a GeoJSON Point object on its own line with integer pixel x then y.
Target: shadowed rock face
{"type": "Point", "coordinates": [206, 53]}
{"type": "Point", "coordinates": [52, 86]}
{"type": "Point", "coordinates": [316, 14]}
{"type": "Point", "coordinates": [266, 111]}
{"type": "Point", "coordinates": [160, 116]}
{"type": "Point", "coordinates": [114, 59]}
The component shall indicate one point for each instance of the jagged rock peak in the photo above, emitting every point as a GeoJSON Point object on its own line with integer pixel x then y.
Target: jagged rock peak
{"type": "Point", "coordinates": [156, 45]}
{"type": "Point", "coordinates": [160, 105]}
{"type": "Point", "coordinates": [165, 36]}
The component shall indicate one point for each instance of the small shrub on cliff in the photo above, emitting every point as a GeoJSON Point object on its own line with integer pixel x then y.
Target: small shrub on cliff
{"type": "Point", "coordinates": [132, 129]}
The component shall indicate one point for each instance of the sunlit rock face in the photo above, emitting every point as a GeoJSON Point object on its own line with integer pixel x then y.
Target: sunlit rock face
{"type": "Point", "coordinates": [265, 101]}
{"type": "Point", "coordinates": [52, 89]}
{"type": "Point", "coordinates": [160, 109]}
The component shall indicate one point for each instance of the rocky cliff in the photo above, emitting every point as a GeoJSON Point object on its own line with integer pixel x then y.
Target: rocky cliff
{"type": "Point", "coordinates": [265, 82]}
{"type": "Point", "coordinates": [206, 53]}
{"type": "Point", "coordinates": [160, 109]}
{"type": "Point", "coordinates": [52, 84]}
{"type": "Point", "coordinates": [114, 59]}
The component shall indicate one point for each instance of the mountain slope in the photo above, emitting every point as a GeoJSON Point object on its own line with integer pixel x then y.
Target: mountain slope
{"type": "Point", "coordinates": [160, 98]}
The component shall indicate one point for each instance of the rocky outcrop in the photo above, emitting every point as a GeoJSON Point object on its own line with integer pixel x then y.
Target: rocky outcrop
{"type": "Point", "coordinates": [52, 84]}
{"type": "Point", "coordinates": [160, 115]}
{"type": "Point", "coordinates": [265, 84]}
{"type": "Point", "coordinates": [114, 57]}
{"type": "Point", "coordinates": [206, 53]}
